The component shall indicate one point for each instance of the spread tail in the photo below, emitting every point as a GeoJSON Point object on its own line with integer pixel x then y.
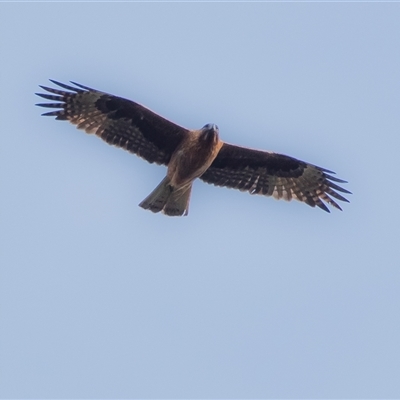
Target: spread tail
{"type": "Point", "coordinates": [173, 202]}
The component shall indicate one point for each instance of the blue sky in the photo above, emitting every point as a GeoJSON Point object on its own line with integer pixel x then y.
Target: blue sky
{"type": "Point", "coordinates": [247, 297]}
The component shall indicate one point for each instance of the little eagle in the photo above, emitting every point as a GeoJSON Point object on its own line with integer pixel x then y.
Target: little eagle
{"type": "Point", "coordinates": [189, 154]}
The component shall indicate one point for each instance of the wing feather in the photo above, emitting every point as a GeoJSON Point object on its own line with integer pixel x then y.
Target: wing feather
{"type": "Point", "coordinates": [119, 122]}
{"type": "Point", "coordinates": [277, 175]}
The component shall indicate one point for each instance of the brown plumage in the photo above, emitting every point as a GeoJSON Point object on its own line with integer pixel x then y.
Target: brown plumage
{"type": "Point", "coordinates": [189, 154]}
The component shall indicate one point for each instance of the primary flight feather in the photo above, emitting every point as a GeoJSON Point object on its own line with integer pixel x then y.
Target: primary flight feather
{"type": "Point", "coordinates": [189, 154]}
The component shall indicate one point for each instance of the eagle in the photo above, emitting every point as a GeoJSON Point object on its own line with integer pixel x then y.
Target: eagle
{"type": "Point", "coordinates": [189, 154]}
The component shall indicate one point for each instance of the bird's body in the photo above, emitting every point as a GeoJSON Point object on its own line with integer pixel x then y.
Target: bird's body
{"type": "Point", "coordinates": [189, 161]}
{"type": "Point", "coordinates": [189, 154]}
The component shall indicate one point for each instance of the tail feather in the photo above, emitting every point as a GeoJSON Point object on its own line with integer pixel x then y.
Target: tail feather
{"type": "Point", "coordinates": [178, 202]}
{"type": "Point", "coordinates": [173, 202]}
{"type": "Point", "coordinates": [157, 199]}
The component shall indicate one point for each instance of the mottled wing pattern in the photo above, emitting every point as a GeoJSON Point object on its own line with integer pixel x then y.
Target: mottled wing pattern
{"type": "Point", "coordinates": [118, 121]}
{"type": "Point", "coordinates": [277, 175]}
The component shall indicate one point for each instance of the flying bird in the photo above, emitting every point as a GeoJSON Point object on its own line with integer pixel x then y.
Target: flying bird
{"type": "Point", "coordinates": [189, 154]}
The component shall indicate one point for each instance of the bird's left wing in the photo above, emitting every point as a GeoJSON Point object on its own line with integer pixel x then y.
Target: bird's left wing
{"type": "Point", "coordinates": [118, 121]}
{"type": "Point", "coordinates": [271, 174]}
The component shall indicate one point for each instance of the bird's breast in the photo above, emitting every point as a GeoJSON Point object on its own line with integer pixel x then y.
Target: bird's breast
{"type": "Point", "coordinates": [191, 159]}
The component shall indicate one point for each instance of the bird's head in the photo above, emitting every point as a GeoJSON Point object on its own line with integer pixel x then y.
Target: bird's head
{"type": "Point", "coordinates": [210, 132]}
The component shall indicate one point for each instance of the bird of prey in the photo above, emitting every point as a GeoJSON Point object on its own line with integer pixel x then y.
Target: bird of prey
{"type": "Point", "coordinates": [189, 154]}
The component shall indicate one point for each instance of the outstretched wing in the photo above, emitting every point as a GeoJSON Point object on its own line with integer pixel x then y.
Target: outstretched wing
{"type": "Point", "coordinates": [270, 174]}
{"type": "Point", "coordinates": [118, 121]}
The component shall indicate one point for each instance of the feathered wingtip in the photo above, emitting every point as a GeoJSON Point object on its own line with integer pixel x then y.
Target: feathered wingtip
{"type": "Point", "coordinates": [64, 86]}
{"type": "Point", "coordinates": [59, 96]}
{"type": "Point", "coordinates": [331, 190]}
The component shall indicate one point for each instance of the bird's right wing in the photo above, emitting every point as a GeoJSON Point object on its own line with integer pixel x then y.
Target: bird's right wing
{"type": "Point", "coordinates": [118, 121]}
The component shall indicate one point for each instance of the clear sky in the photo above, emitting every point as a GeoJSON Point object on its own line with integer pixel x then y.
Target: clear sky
{"type": "Point", "coordinates": [247, 297]}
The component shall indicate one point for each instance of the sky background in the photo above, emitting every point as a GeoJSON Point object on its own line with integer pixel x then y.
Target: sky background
{"type": "Point", "coordinates": [247, 297]}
